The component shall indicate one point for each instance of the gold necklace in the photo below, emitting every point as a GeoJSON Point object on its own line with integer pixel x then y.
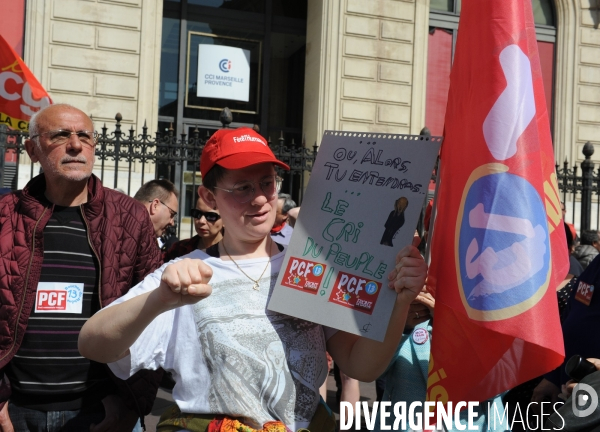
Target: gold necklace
{"type": "Point", "coordinates": [256, 285]}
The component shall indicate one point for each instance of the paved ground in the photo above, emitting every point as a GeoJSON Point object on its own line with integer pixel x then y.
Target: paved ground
{"type": "Point", "coordinates": [164, 399]}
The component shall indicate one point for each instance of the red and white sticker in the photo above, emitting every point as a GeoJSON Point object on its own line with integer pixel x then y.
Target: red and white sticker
{"type": "Point", "coordinates": [420, 336]}
{"type": "Point", "coordinates": [355, 292]}
{"type": "Point", "coordinates": [303, 275]}
{"type": "Point", "coordinates": [584, 293]}
{"type": "Point", "coordinates": [59, 297]}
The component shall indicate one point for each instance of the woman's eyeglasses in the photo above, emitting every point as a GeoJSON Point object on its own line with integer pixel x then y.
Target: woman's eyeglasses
{"type": "Point", "coordinates": [244, 191]}
{"type": "Point", "coordinates": [210, 216]}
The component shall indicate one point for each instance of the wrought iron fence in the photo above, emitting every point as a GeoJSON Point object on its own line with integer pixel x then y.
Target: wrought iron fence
{"type": "Point", "coordinates": [126, 160]}
{"type": "Point", "coordinates": [581, 192]}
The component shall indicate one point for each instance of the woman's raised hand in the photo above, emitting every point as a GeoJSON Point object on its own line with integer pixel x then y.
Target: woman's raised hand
{"type": "Point", "coordinates": [185, 282]}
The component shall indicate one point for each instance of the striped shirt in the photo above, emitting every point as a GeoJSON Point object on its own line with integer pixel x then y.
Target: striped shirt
{"type": "Point", "coordinates": [47, 373]}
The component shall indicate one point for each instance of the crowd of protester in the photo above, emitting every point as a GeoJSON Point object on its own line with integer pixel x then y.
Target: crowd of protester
{"type": "Point", "coordinates": [197, 308]}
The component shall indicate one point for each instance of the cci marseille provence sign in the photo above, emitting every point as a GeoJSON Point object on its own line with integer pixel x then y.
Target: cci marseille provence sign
{"type": "Point", "coordinates": [223, 72]}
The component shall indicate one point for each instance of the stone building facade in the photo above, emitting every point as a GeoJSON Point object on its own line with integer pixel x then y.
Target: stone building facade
{"type": "Point", "coordinates": [354, 65]}
{"type": "Point", "coordinates": [101, 56]}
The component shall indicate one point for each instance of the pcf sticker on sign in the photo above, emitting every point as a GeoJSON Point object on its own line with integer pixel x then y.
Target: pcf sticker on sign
{"type": "Point", "coordinates": [355, 292]}
{"type": "Point", "coordinates": [303, 275]}
{"type": "Point", "coordinates": [59, 297]}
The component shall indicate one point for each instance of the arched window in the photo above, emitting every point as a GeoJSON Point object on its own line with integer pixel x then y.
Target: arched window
{"type": "Point", "coordinates": [443, 28]}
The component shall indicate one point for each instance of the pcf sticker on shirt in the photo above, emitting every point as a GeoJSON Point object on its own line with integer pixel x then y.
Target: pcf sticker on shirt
{"type": "Point", "coordinates": [59, 297]}
{"type": "Point", "coordinates": [584, 293]}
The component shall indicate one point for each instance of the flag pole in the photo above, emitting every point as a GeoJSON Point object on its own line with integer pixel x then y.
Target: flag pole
{"type": "Point", "coordinates": [433, 212]}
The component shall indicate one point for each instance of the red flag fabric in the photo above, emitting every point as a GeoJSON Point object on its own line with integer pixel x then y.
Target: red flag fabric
{"type": "Point", "coordinates": [21, 94]}
{"type": "Point", "coordinates": [498, 249]}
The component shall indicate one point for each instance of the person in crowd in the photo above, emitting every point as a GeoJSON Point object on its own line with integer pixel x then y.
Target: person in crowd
{"type": "Point", "coordinates": [168, 239]}
{"type": "Point", "coordinates": [209, 231]}
{"type": "Point", "coordinates": [579, 318]}
{"type": "Point", "coordinates": [575, 268]}
{"type": "Point", "coordinates": [348, 389]}
{"type": "Point", "coordinates": [282, 231]}
{"type": "Point", "coordinates": [588, 249]}
{"type": "Point", "coordinates": [407, 374]}
{"type": "Point", "coordinates": [394, 221]}
{"type": "Point", "coordinates": [293, 216]}
{"type": "Point", "coordinates": [570, 226]}
{"type": "Point", "coordinates": [235, 364]}
{"type": "Point", "coordinates": [68, 247]}
{"type": "Point", "coordinates": [160, 197]}
{"type": "Point", "coordinates": [518, 398]}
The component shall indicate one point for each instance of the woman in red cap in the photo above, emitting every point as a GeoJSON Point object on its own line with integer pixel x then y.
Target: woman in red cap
{"type": "Point", "coordinates": [236, 364]}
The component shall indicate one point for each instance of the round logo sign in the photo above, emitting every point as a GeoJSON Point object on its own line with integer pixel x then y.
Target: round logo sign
{"type": "Point", "coordinates": [74, 293]}
{"type": "Point", "coordinates": [317, 270]}
{"type": "Point", "coordinates": [420, 336]}
{"type": "Point", "coordinates": [225, 65]}
{"type": "Point", "coordinates": [503, 251]}
{"type": "Point", "coordinates": [371, 288]}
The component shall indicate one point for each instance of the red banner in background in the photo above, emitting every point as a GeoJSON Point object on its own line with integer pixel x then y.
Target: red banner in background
{"type": "Point", "coordinates": [21, 94]}
{"type": "Point", "coordinates": [498, 249]}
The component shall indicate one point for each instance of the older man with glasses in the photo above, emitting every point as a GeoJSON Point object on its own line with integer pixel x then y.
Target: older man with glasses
{"type": "Point", "coordinates": [68, 247]}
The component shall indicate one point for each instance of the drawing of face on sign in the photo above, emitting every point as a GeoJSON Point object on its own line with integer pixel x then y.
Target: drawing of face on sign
{"type": "Point", "coordinates": [394, 221]}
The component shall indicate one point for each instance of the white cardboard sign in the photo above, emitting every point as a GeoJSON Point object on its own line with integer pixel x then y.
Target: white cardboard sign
{"type": "Point", "coordinates": [223, 72]}
{"type": "Point", "coordinates": [361, 207]}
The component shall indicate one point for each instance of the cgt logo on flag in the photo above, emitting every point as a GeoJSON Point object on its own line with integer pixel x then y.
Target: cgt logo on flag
{"type": "Point", "coordinates": [21, 95]}
{"type": "Point", "coordinates": [495, 273]}
{"type": "Point", "coordinates": [504, 247]}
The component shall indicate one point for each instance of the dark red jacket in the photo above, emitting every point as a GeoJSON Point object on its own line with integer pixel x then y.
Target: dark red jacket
{"type": "Point", "coordinates": [122, 238]}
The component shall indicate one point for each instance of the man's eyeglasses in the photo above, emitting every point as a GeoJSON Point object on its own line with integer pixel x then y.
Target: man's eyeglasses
{"type": "Point", "coordinates": [210, 216]}
{"type": "Point", "coordinates": [244, 191]}
{"type": "Point", "coordinates": [61, 136]}
{"type": "Point", "coordinates": [173, 212]}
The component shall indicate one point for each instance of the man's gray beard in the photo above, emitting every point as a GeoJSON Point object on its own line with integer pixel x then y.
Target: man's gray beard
{"type": "Point", "coordinates": [75, 175]}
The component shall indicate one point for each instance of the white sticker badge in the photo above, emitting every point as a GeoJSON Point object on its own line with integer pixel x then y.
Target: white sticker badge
{"type": "Point", "coordinates": [420, 336]}
{"type": "Point", "coordinates": [59, 297]}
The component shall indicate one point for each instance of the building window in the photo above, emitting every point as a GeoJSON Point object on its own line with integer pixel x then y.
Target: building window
{"type": "Point", "coordinates": [273, 32]}
{"type": "Point", "coordinates": [169, 61]}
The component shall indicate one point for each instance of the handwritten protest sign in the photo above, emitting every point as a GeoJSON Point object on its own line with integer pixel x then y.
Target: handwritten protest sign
{"type": "Point", "coordinates": [361, 207]}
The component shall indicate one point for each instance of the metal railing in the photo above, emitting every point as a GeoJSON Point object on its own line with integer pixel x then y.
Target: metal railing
{"type": "Point", "coordinates": [581, 193]}
{"type": "Point", "coordinates": [126, 160]}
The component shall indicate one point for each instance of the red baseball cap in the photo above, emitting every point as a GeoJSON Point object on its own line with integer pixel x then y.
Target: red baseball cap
{"type": "Point", "coordinates": [236, 149]}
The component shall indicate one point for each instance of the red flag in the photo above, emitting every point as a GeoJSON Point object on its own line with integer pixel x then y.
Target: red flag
{"type": "Point", "coordinates": [498, 247]}
{"type": "Point", "coordinates": [21, 94]}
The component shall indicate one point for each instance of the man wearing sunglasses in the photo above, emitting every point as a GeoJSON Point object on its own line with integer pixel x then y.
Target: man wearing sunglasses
{"type": "Point", "coordinates": [68, 246]}
{"type": "Point", "coordinates": [160, 197]}
{"type": "Point", "coordinates": [209, 231]}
